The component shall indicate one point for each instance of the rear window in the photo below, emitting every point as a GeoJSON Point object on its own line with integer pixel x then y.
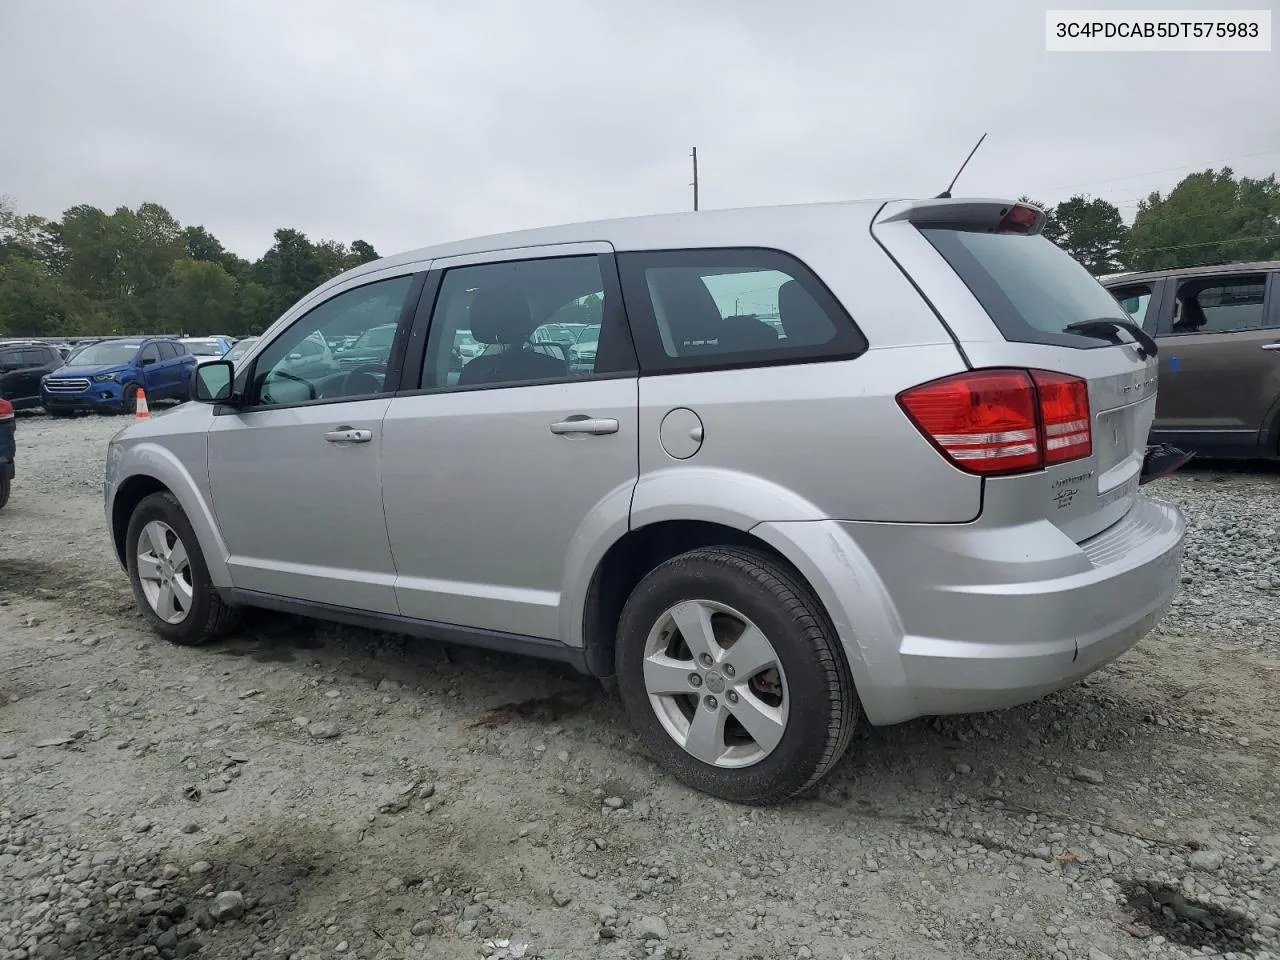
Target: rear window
{"type": "Point", "coordinates": [1030, 288]}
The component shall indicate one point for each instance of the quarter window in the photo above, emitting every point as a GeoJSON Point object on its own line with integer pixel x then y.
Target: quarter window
{"type": "Point", "coordinates": [299, 366]}
{"type": "Point", "coordinates": [524, 322]}
{"type": "Point", "coordinates": [698, 308]}
{"type": "Point", "coordinates": [1135, 300]}
{"type": "Point", "coordinates": [1220, 304]}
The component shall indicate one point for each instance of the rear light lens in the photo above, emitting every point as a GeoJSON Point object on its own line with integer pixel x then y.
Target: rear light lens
{"type": "Point", "coordinates": [1064, 415]}
{"type": "Point", "coordinates": [1020, 219]}
{"type": "Point", "coordinates": [995, 422]}
{"type": "Point", "coordinates": [6, 410]}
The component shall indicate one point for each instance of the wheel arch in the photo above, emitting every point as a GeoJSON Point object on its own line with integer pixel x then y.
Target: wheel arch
{"type": "Point", "coordinates": [147, 469]}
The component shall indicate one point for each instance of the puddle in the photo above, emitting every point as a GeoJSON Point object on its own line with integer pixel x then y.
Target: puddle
{"type": "Point", "coordinates": [1186, 920]}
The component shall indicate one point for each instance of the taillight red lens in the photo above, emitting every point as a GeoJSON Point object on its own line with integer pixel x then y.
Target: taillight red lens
{"type": "Point", "coordinates": [1003, 421]}
{"type": "Point", "coordinates": [1064, 412]}
{"type": "Point", "coordinates": [1020, 219]}
{"type": "Point", "coordinates": [6, 410]}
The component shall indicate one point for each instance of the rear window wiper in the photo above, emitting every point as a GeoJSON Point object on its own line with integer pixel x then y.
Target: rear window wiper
{"type": "Point", "coordinates": [1108, 328]}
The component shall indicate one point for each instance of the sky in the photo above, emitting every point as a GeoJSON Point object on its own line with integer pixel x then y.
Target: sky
{"type": "Point", "coordinates": [409, 122]}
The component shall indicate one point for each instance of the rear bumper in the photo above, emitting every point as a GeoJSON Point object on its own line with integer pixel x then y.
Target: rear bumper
{"type": "Point", "coordinates": [958, 619]}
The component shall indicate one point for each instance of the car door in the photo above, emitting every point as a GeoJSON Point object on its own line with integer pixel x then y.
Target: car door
{"type": "Point", "coordinates": [294, 468]}
{"type": "Point", "coordinates": [493, 472]}
{"type": "Point", "coordinates": [178, 366]}
{"type": "Point", "coordinates": [1219, 360]}
{"type": "Point", "coordinates": [152, 372]}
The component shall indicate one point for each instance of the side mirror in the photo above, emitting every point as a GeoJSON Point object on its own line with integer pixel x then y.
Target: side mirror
{"type": "Point", "coordinates": [213, 382]}
{"type": "Point", "coordinates": [147, 361]}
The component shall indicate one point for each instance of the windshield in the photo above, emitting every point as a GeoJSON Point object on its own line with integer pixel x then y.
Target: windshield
{"type": "Point", "coordinates": [100, 354]}
{"type": "Point", "coordinates": [589, 335]}
{"type": "Point", "coordinates": [239, 350]}
{"type": "Point", "coordinates": [377, 337]}
{"type": "Point", "coordinates": [1030, 288]}
{"type": "Point", "coordinates": [203, 348]}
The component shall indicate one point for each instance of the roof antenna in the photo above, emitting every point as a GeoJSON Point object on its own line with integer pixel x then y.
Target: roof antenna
{"type": "Point", "coordinates": [946, 194]}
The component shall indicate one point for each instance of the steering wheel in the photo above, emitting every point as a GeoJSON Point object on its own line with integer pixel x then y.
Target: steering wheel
{"type": "Point", "coordinates": [284, 375]}
{"type": "Point", "coordinates": [369, 370]}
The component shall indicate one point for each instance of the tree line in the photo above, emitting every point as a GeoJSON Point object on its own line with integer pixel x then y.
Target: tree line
{"type": "Point", "coordinates": [136, 271]}
{"type": "Point", "coordinates": [141, 271]}
{"type": "Point", "coordinates": [1208, 217]}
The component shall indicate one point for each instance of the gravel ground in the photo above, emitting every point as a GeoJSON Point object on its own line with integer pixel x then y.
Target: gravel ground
{"type": "Point", "coordinates": [307, 791]}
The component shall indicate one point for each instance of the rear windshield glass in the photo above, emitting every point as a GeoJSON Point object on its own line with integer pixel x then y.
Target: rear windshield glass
{"type": "Point", "coordinates": [1030, 288]}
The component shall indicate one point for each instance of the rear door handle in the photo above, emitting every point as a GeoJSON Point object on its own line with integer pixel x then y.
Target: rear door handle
{"type": "Point", "coordinates": [349, 435]}
{"type": "Point", "coordinates": [584, 424]}
{"type": "Point", "coordinates": [1271, 346]}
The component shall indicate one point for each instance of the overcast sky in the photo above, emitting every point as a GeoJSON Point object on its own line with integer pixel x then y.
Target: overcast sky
{"type": "Point", "coordinates": [405, 122]}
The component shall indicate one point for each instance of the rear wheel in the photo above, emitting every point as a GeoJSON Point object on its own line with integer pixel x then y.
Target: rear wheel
{"type": "Point", "coordinates": [732, 675]}
{"type": "Point", "coordinates": [169, 577]}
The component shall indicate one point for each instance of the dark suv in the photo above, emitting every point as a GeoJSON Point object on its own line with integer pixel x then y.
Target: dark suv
{"type": "Point", "coordinates": [1218, 329]}
{"type": "Point", "coordinates": [22, 364]}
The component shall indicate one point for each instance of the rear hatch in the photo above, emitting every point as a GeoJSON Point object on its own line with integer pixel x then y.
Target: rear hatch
{"type": "Point", "coordinates": [1012, 300]}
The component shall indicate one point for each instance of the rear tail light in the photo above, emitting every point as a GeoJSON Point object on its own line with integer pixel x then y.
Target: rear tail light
{"type": "Point", "coordinates": [995, 422]}
{"type": "Point", "coordinates": [6, 410]}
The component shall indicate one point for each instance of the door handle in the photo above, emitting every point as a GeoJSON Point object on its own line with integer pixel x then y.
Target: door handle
{"type": "Point", "coordinates": [349, 435]}
{"type": "Point", "coordinates": [581, 423]}
{"type": "Point", "coordinates": [1271, 346]}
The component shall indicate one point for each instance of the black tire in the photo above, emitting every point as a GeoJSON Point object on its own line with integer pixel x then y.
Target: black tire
{"type": "Point", "coordinates": [209, 618]}
{"type": "Point", "coordinates": [129, 399]}
{"type": "Point", "coordinates": [823, 704]}
{"type": "Point", "coordinates": [6, 485]}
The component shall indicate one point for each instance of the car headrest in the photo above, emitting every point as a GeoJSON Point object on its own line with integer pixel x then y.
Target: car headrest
{"type": "Point", "coordinates": [501, 315]}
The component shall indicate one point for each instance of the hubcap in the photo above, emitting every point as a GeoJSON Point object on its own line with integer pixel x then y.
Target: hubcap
{"type": "Point", "coordinates": [716, 684]}
{"type": "Point", "coordinates": [164, 571]}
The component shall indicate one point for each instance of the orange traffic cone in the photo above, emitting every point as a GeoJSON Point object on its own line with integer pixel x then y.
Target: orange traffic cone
{"type": "Point", "coordinates": [140, 405]}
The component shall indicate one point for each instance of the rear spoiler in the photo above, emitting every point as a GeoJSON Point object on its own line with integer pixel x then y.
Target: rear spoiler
{"type": "Point", "coordinates": [976, 214]}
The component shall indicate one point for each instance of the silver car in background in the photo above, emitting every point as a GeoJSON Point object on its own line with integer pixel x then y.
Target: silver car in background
{"type": "Point", "coordinates": [820, 462]}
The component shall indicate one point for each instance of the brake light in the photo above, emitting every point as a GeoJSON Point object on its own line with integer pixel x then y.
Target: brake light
{"type": "Point", "coordinates": [1020, 219]}
{"type": "Point", "coordinates": [994, 422]}
{"type": "Point", "coordinates": [1064, 413]}
{"type": "Point", "coordinates": [6, 410]}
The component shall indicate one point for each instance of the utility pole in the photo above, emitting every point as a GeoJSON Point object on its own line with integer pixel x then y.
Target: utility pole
{"type": "Point", "coordinates": [695, 178]}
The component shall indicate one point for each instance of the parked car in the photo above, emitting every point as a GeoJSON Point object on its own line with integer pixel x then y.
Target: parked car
{"type": "Point", "coordinates": [370, 348]}
{"type": "Point", "coordinates": [105, 376]}
{"type": "Point", "coordinates": [206, 348]}
{"type": "Point", "coordinates": [239, 349]}
{"type": "Point", "coordinates": [8, 449]}
{"type": "Point", "coordinates": [924, 500]}
{"type": "Point", "coordinates": [1218, 329]}
{"type": "Point", "coordinates": [582, 355]}
{"type": "Point", "coordinates": [22, 364]}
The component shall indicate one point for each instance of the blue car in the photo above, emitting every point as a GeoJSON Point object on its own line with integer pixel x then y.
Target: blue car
{"type": "Point", "coordinates": [105, 376]}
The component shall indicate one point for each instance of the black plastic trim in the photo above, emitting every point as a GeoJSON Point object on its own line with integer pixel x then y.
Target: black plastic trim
{"type": "Point", "coordinates": [513, 643]}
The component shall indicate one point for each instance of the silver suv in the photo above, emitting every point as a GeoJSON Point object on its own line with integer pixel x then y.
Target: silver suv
{"type": "Point", "coordinates": [876, 459]}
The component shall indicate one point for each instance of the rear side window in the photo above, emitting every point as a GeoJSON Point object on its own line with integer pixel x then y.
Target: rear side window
{"type": "Point", "coordinates": [1220, 304]}
{"type": "Point", "coordinates": [168, 351]}
{"type": "Point", "coordinates": [1030, 288]}
{"type": "Point", "coordinates": [698, 309]}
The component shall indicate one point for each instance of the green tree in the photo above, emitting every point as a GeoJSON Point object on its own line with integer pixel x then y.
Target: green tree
{"type": "Point", "coordinates": [1209, 217]}
{"type": "Point", "coordinates": [362, 252]}
{"type": "Point", "coordinates": [1092, 231]}
{"type": "Point", "coordinates": [199, 298]}
{"type": "Point", "coordinates": [253, 309]}
{"type": "Point", "coordinates": [33, 301]}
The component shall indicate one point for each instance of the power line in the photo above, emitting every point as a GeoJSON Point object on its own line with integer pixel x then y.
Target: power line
{"type": "Point", "coordinates": [1207, 243]}
{"type": "Point", "coordinates": [1152, 173]}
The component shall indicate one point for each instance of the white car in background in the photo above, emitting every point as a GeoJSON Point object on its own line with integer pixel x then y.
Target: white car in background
{"type": "Point", "coordinates": [239, 349]}
{"type": "Point", "coordinates": [205, 349]}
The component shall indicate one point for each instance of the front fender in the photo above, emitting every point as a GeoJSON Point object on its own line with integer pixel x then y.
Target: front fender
{"type": "Point", "coordinates": [146, 459]}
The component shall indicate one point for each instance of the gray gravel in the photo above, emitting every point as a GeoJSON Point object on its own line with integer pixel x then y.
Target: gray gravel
{"type": "Point", "coordinates": [309, 791]}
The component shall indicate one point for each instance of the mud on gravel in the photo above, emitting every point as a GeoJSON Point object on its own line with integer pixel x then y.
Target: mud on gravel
{"type": "Point", "coordinates": [305, 790]}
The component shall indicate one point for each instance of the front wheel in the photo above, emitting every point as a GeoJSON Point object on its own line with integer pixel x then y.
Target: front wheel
{"type": "Point", "coordinates": [169, 577]}
{"type": "Point", "coordinates": [732, 675]}
{"type": "Point", "coordinates": [129, 398]}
